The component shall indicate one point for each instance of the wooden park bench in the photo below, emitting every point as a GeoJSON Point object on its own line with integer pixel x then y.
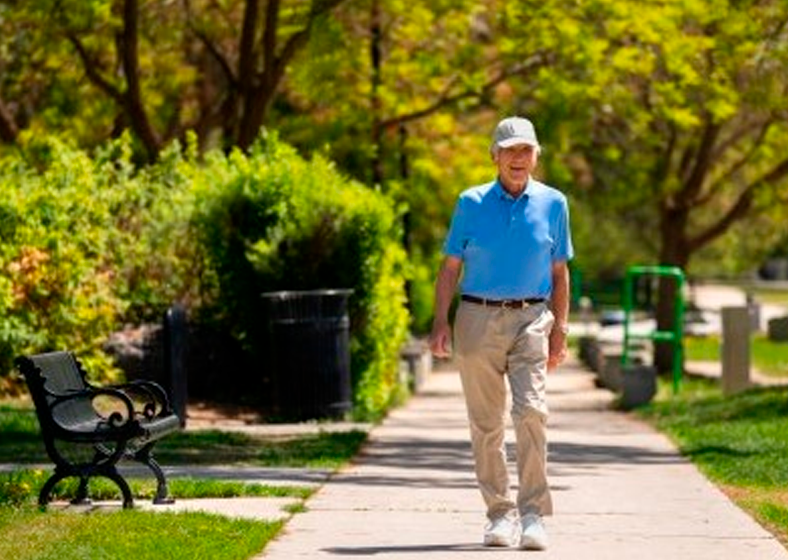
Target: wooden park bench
{"type": "Point", "coordinates": [87, 430]}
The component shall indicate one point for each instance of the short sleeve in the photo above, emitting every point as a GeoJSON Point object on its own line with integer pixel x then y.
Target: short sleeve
{"type": "Point", "coordinates": [454, 245]}
{"type": "Point", "coordinates": [563, 249]}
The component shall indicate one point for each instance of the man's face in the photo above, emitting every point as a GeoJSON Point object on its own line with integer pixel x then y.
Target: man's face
{"type": "Point", "coordinates": [515, 165]}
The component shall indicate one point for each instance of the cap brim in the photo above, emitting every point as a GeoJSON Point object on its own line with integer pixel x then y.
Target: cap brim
{"type": "Point", "coordinates": [509, 142]}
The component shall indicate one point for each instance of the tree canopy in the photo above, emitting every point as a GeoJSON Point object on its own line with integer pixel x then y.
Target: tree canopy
{"type": "Point", "coordinates": [662, 119]}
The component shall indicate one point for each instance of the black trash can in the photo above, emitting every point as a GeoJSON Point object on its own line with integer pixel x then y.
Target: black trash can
{"type": "Point", "coordinates": [308, 349]}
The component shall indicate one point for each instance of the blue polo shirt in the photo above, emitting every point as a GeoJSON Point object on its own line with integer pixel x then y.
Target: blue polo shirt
{"type": "Point", "coordinates": [507, 244]}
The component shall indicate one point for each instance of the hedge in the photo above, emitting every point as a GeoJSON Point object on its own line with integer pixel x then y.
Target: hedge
{"type": "Point", "coordinates": [273, 221]}
{"type": "Point", "coordinates": [89, 243]}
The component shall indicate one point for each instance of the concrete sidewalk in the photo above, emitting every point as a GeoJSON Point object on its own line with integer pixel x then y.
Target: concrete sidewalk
{"type": "Point", "coordinates": [620, 490]}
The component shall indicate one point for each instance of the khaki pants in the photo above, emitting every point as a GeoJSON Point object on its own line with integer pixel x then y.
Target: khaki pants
{"type": "Point", "coordinates": [492, 343]}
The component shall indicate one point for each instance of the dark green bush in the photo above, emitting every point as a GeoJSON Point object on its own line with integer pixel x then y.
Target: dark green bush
{"type": "Point", "coordinates": [273, 221]}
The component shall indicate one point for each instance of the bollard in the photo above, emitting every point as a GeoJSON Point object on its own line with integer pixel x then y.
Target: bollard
{"type": "Point", "coordinates": [754, 310]}
{"type": "Point", "coordinates": [735, 349]}
{"type": "Point", "coordinates": [175, 340]}
{"type": "Point", "coordinates": [638, 385]}
{"type": "Point", "coordinates": [610, 374]}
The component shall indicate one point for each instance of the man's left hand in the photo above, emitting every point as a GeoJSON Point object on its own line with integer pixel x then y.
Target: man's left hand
{"type": "Point", "coordinates": [557, 349]}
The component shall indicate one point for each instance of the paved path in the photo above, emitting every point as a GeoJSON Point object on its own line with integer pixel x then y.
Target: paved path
{"type": "Point", "coordinates": [714, 297]}
{"type": "Point", "coordinates": [620, 491]}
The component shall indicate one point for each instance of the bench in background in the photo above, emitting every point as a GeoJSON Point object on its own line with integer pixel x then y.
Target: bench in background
{"type": "Point", "coordinates": [87, 430]}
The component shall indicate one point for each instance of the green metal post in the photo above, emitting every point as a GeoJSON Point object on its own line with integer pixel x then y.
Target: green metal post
{"type": "Point", "coordinates": [675, 334]}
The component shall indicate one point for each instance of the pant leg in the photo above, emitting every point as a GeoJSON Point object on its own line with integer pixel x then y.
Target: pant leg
{"type": "Point", "coordinates": [480, 348]}
{"type": "Point", "coordinates": [527, 368]}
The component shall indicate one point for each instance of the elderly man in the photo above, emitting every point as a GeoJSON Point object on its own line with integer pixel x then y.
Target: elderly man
{"type": "Point", "coordinates": [510, 242]}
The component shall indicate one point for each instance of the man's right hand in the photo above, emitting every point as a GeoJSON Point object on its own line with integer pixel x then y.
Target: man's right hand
{"type": "Point", "coordinates": [446, 284]}
{"type": "Point", "coordinates": [440, 340]}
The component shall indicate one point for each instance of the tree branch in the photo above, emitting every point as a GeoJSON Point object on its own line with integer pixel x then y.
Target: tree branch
{"type": "Point", "coordinates": [446, 98]}
{"type": "Point", "coordinates": [270, 36]}
{"type": "Point", "coordinates": [736, 212]}
{"type": "Point", "coordinates": [246, 46]}
{"type": "Point", "coordinates": [8, 128]}
{"type": "Point", "coordinates": [213, 50]}
{"type": "Point", "coordinates": [91, 66]}
{"type": "Point", "coordinates": [258, 94]}
{"type": "Point", "coordinates": [297, 40]}
{"type": "Point", "coordinates": [758, 125]}
{"type": "Point", "coordinates": [741, 207]}
{"type": "Point", "coordinates": [133, 98]}
{"type": "Point", "coordinates": [662, 170]}
{"type": "Point", "coordinates": [736, 166]}
{"type": "Point", "coordinates": [702, 162]}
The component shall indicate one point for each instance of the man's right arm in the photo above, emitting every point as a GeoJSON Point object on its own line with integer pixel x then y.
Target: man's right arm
{"type": "Point", "coordinates": [445, 286]}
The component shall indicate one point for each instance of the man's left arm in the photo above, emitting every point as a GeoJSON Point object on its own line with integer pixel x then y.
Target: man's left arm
{"type": "Point", "coordinates": [559, 304]}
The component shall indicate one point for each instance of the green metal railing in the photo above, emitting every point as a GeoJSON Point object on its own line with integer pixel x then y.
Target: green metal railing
{"type": "Point", "coordinates": [674, 335]}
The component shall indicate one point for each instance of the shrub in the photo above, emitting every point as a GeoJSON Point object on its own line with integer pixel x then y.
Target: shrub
{"type": "Point", "coordinates": [274, 221]}
{"type": "Point", "coordinates": [57, 251]}
{"type": "Point", "coordinates": [88, 244]}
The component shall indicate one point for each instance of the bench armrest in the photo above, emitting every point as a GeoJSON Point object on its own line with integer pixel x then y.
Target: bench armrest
{"type": "Point", "coordinates": [150, 394]}
{"type": "Point", "coordinates": [78, 409]}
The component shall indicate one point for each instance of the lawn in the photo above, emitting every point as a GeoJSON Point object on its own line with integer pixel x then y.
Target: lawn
{"type": "Point", "coordinates": [739, 442]}
{"type": "Point", "coordinates": [765, 294]}
{"type": "Point", "coordinates": [27, 533]}
{"type": "Point", "coordinates": [327, 450]}
{"type": "Point", "coordinates": [767, 356]}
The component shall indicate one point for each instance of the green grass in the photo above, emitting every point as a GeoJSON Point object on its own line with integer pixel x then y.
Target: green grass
{"type": "Point", "coordinates": [767, 356]}
{"type": "Point", "coordinates": [774, 296]}
{"type": "Point", "coordinates": [740, 442]}
{"type": "Point", "coordinates": [702, 348]}
{"type": "Point", "coordinates": [28, 534]}
{"type": "Point", "coordinates": [328, 450]}
{"type": "Point", "coordinates": [20, 487]}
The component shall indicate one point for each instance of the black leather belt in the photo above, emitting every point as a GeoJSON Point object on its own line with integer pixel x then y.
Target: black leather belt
{"type": "Point", "coordinates": [505, 303]}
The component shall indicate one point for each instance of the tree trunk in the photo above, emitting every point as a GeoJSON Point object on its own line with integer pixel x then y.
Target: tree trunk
{"type": "Point", "coordinates": [8, 129]}
{"type": "Point", "coordinates": [133, 95]}
{"type": "Point", "coordinates": [375, 31]}
{"type": "Point", "coordinates": [674, 252]}
{"type": "Point", "coordinates": [256, 108]}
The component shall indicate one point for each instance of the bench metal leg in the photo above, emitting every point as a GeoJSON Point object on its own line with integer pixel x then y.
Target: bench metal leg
{"type": "Point", "coordinates": [114, 476]}
{"type": "Point", "coordinates": [49, 485]}
{"type": "Point", "coordinates": [82, 492]}
{"type": "Point", "coordinates": [162, 492]}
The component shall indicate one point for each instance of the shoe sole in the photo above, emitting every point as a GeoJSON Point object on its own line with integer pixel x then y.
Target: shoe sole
{"type": "Point", "coordinates": [532, 544]}
{"type": "Point", "coordinates": [498, 542]}
{"type": "Point", "coordinates": [501, 540]}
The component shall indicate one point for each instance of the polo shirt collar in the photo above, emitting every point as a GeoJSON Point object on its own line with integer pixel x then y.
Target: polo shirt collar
{"type": "Point", "coordinates": [502, 192]}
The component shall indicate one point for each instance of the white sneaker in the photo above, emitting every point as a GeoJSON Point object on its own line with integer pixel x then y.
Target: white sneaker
{"type": "Point", "coordinates": [501, 532]}
{"type": "Point", "coordinates": [533, 535]}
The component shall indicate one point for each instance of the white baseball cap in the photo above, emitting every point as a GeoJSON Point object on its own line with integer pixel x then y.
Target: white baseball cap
{"type": "Point", "coordinates": [513, 131]}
